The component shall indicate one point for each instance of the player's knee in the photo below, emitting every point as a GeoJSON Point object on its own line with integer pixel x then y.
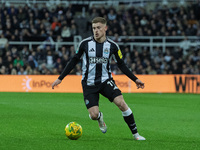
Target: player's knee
{"type": "Point", "coordinates": [122, 105]}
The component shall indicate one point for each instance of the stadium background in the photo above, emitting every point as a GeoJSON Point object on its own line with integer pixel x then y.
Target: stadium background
{"type": "Point", "coordinates": [156, 37]}
{"type": "Point", "coordinates": [160, 43]}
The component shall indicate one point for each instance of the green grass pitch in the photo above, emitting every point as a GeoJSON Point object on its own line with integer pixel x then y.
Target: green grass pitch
{"type": "Point", "coordinates": [36, 121]}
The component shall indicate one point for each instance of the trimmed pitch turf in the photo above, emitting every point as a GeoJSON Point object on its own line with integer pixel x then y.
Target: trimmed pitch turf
{"type": "Point", "coordinates": [36, 121]}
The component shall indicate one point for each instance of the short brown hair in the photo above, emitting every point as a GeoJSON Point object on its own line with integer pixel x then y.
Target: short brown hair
{"type": "Point", "coordinates": [99, 19]}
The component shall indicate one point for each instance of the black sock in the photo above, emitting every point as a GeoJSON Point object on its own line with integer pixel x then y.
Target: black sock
{"type": "Point", "coordinates": [129, 119]}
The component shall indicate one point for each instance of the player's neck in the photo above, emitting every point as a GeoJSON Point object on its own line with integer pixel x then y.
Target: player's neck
{"type": "Point", "coordinates": [100, 40]}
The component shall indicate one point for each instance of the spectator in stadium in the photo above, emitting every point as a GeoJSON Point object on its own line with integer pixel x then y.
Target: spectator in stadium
{"type": "Point", "coordinates": [73, 30]}
{"type": "Point", "coordinates": [112, 14]}
{"type": "Point", "coordinates": [65, 32]}
{"type": "Point", "coordinates": [56, 26]}
{"type": "Point", "coordinates": [32, 62]}
{"type": "Point", "coordinates": [43, 69]}
{"type": "Point", "coordinates": [39, 55]}
{"type": "Point", "coordinates": [22, 71]}
{"type": "Point", "coordinates": [29, 70]}
{"type": "Point", "coordinates": [13, 71]}
{"type": "Point", "coordinates": [3, 70]}
{"type": "Point", "coordinates": [18, 60]}
{"type": "Point", "coordinates": [102, 12]}
{"type": "Point", "coordinates": [3, 41]}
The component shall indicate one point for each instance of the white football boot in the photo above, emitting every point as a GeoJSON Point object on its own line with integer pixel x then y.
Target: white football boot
{"type": "Point", "coordinates": [138, 137]}
{"type": "Point", "coordinates": [102, 124]}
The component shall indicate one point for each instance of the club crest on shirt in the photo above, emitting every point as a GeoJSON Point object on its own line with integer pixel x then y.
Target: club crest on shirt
{"type": "Point", "coordinates": [106, 51]}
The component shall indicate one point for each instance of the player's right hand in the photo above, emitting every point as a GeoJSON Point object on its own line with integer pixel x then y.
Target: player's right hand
{"type": "Point", "coordinates": [56, 82]}
{"type": "Point", "coordinates": [139, 84]}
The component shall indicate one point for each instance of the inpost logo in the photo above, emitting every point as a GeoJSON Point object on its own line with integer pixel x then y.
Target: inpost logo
{"type": "Point", "coordinates": [26, 84]}
{"type": "Point", "coordinates": [31, 84]}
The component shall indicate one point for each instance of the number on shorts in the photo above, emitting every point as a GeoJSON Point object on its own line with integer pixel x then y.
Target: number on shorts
{"type": "Point", "coordinates": [111, 83]}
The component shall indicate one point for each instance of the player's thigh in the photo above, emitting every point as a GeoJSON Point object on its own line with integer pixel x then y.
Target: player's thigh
{"type": "Point", "coordinates": [110, 90]}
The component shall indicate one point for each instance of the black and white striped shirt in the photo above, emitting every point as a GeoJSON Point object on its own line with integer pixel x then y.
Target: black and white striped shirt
{"type": "Point", "coordinates": [96, 59]}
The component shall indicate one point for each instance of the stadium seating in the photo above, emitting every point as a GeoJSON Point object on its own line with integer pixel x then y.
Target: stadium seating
{"type": "Point", "coordinates": [154, 38]}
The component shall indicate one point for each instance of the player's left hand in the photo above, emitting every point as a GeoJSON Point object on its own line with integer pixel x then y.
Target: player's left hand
{"type": "Point", "coordinates": [55, 83]}
{"type": "Point", "coordinates": [139, 84]}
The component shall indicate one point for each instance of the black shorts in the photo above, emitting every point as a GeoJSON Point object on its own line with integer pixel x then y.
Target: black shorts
{"type": "Point", "coordinates": [91, 93]}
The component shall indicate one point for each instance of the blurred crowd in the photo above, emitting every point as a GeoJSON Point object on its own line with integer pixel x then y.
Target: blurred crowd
{"type": "Point", "coordinates": [24, 23]}
{"type": "Point", "coordinates": [163, 20]}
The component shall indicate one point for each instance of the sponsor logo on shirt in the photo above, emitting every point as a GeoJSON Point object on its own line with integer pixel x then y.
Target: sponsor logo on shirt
{"type": "Point", "coordinates": [92, 50]}
{"type": "Point", "coordinates": [98, 60]}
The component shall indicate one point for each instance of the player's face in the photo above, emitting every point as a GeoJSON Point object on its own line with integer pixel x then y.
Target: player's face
{"type": "Point", "coordinates": [99, 31]}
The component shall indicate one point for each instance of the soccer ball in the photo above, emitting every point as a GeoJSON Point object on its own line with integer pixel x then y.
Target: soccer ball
{"type": "Point", "coordinates": [73, 130]}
